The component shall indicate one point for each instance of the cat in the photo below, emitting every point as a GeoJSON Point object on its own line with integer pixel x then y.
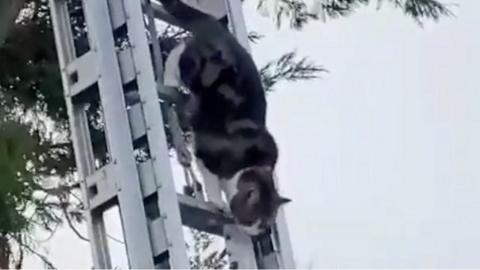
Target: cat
{"type": "Point", "coordinates": [234, 149]}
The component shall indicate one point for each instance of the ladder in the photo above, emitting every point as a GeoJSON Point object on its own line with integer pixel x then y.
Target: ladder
{"type": "Point", "coordinates": [104, 56]}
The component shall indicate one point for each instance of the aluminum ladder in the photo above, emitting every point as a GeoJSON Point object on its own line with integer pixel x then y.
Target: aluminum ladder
{"type": "Point", "coordinates": [104, 56]}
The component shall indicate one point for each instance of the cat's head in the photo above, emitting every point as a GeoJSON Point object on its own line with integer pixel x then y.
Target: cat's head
{"type": "Point", "coordinates": [256, 201]}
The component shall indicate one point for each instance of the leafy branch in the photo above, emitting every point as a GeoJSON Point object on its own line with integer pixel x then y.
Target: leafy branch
{"type": "Point", "coordinates": [288, 68]}
{"type": "Point", "coordinates": [299, 13]}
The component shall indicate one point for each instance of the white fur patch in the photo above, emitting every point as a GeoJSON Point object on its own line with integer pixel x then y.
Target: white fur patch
{"type": "Point", "coordinates": [252, 229]}
{"type": "Point", "coordinates": [230, 94]}
{"type": "Point", "coordinates": [212, 185]}
{"type": "Point", "coordinates": [230, 186]}
{"type": "Point", "coordinates": [172, 74]}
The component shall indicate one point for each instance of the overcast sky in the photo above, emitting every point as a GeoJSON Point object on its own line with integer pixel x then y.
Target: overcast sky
{"type": "Point", "coordinates": [381, 155]}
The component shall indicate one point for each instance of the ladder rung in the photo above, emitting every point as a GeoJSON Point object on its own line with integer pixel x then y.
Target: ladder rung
{"type": "Point", "coordinates": [147, 180]}
{"type": "Point", "coordinates": [137, 124]}
{"type": "Point", "coordinates": [201, 215]}
{"type": "Point", "coordinates": [127, 71]}
{"type": "Point", "coordinates": [157, 236]}
{"type": "Point", "coordinates": [82, 72]}
{"type": "Point", "coordinates": [102, 188]}
{"type": "Point", "coordinates": [195, 213]}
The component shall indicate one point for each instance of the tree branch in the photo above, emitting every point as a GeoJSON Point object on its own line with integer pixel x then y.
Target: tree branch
{"type": "Point", "coordinates": [5, 252]}
{"type": "Point", "coordinates": [42, 257]}
{"type": "Point", "coordinates": [288, 68]}
{"type": "Point", "coordinates": [299, 13]}
{"type": "Point", "coordinates": [19, 261]}
{"type": "Point", "coordinates": [70, 223]}
{"type": "Point", "coordinates": [115, 239]}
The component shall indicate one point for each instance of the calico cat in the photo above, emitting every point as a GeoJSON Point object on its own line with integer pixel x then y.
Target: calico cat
{"type": "Point", "coordinates": [234, 149]}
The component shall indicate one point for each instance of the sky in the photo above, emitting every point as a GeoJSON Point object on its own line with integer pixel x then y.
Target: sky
{"type": "Point", "coordinates": [379, 155]}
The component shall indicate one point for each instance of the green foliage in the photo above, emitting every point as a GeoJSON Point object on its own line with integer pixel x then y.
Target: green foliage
{"type": "Point", "coordinates": [423, 9]}
{"type": "Point", "coordinates": [287, 68]}
{"type": "Point", "coordinates": [299, 13]}
{"type": "Point", "coordinates": [201, 257]}
{"type": "Point", "coordinates": [29, 74]}
{"type": "Point", "coordinates": [15, 191]}
{"type": "Point", "coordinates": [31, 100]}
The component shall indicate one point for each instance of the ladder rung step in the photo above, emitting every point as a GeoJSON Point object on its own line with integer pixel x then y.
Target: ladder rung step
{"type": "Point", "coordinates": [202, 215]}
{"type": "Point", "coordinates": [157, 236]}
{"type": "Point", "coordinates": [82, 72]}
{"type": "Point", "coordinates": [195, 213]}
{"type": "Point", "coordinates": [102, 188]}
{"type": "Point", "coordinates": [127, 71]}
{"type": "Point", "coordinates": [147, 180]}
{"type": "Point", "coordinates": [137, 124]}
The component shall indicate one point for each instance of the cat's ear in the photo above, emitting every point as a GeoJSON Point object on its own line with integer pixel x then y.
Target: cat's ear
{"type": "Point", "coordinates": [265, 171]}
{"type": "Point", "coordinates": [253, 196]}
{"type": "Point", "coordinates": [283, 200]}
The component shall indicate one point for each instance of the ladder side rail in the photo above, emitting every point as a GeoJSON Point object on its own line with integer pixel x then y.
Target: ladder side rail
{"type": "Point", "coordinates": [167, 94]}
{"type": "Point", "coordinates": [282, 242]}
{"type": "Point", "coordinates": [157, 140]}
{"type": "Point", "coordinates": [239, 246]}
{"type": "Point", "coordinates": [79, 131]}
{"type": "Point", "coordinates": [156, 50]}
{"type": "Point", "coordinates": [237, 22]}
{"type": "Point", "coordinates": [118, 136]}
